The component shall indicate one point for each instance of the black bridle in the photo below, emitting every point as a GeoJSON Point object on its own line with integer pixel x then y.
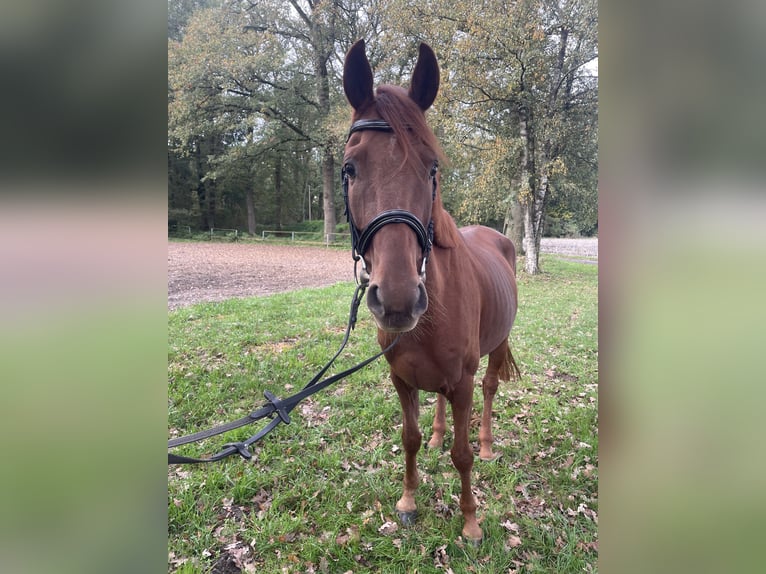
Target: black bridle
{"type": "Point", "coordinates": [361, 239]}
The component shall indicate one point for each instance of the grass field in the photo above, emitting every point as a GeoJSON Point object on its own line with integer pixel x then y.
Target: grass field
{"type": "Point", "coordinates": [319, 494]}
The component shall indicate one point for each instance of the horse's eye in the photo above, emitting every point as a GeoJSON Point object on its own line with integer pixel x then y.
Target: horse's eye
{"type": "Point", "coordinates": [434, 169]}
{"type": "Point", "coordinates": [349, 170]}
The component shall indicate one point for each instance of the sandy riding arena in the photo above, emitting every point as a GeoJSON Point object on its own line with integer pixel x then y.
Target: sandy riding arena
{"type": "Point", "coordinates": [217, 271]}
{"type": "Point", "coordinates": [200, 272]}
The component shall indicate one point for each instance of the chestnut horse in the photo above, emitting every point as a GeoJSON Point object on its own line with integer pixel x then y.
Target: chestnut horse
{"type": "Point", "coordinates": [449, 294]}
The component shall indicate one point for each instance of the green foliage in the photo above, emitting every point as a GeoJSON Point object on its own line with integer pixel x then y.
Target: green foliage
{"type": "Point", "coordinates": [241, 100]}
{"type": "Point", "coordinates": [319, 494]}
{"type": "Point", "coordinates": [242, 110]}
{"type": "Point", "coordinates": [502, 61]}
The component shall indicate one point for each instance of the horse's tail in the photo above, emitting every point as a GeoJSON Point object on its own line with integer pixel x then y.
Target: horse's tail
{"type": "Point", "coordinates": [509, 370]}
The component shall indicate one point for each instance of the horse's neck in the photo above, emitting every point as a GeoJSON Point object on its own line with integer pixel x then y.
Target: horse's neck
{"type": "Point", "coordinates": [446, 233]}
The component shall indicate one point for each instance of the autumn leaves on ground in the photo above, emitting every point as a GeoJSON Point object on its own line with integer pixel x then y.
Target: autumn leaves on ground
{"type": "Point", "coordinates": [319, 494]}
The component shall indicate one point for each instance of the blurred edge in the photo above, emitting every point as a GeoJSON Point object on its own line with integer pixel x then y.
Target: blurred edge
{"type": "Point", "coordinates": [83, 287]}
{"type": "Point", "coordinates": [682, 206]}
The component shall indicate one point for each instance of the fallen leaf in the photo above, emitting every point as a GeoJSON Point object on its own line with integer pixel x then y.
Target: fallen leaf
{"type": "Point", "coordinates": [441, 558]}
{"type": "Point", "coordinates": [342, 539]}
{"type": "Point", "coordinates": [512, 526]}
{"type": "Point", "coordinates": [388, 528]}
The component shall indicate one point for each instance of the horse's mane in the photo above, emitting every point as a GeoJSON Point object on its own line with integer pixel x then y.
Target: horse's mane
{"type": "Point", "coordinates": [408, 122]}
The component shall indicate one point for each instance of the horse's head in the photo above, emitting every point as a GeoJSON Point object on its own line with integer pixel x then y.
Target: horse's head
{"type": "Point", "coordinates": [390, 186]}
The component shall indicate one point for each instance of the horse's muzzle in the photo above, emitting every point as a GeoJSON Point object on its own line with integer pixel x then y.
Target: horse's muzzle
{"type": "Point", "coordinates": [397, 310]}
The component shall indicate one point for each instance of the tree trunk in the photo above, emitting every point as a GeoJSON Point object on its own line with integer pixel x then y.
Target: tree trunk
{"type": "Point", "coordinates": [322, 35]}
{"type": "Point", "coordinates": [513, 227]}
{"type": "Point", "coordinates": [534, 204]}
{"type": "Point", "coordinates": [328, 186]}
{"type": "Point", "coordinates": [527, 195]}
{"type": "Point", "coordinates": [278, 191]}
{"type": "Point", "coordinates": [531, 244]}
{"type": "Point", "coordinates": [533, 218]}
{"type": "Point", "coordinates": [320, 21]}
{"type": "Point", "coordinates": [206, 190]}
{"type": "Point", "coordinates": [540, 197]}
{"type": "Point", "coordinates": [210, 193]}
{"type": "Point", "coordinates": [250, 202]}
{"type": "Point", "coordinates": [203, 188]}
{"type": "Point", "coordinates": [532, 195]}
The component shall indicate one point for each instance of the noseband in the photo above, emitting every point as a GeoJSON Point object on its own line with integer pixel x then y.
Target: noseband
{"type": "Point", "coordinates": [361, 239]}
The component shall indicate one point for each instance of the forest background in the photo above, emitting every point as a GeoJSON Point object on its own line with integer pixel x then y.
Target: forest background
{"type": "Point", "coordinates": [257, 118]}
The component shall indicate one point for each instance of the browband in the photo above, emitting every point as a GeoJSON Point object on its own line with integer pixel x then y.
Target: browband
{"type": "Point", "coordinates": [362, 125]}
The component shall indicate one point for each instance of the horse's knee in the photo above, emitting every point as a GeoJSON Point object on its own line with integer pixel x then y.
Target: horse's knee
{"type": "Point", "coordinates": [411, 439]}
{"type": "Point", "coordinates": [462, 457]}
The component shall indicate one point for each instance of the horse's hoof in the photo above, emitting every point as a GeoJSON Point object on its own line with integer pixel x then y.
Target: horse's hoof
{"type": "Point", "coordinates": [474, 537]}
{"type": "Point", "coordinates": [407, 518]}
{"type": "Point", "coordinates": [475, 542]}
{"type": "Point", "coordinates": [491, 457]}
{"type": "Point", "coordinates": [435, 445]}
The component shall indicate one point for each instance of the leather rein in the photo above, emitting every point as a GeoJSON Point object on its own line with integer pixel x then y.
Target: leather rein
{"type": "Point", "coordinates": [279, 409]}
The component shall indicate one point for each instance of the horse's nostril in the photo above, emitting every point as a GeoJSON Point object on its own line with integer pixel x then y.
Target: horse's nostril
{"type": "Point", "coordinates": [373, 300]}
{"type": "Point", "coordinates": [422, 304]}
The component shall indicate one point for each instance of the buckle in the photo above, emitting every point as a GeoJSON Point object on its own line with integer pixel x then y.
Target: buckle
{"type": "Point", "coordinates": [277, 407]}
{"type": "Point", "coordinates": [241, 449]}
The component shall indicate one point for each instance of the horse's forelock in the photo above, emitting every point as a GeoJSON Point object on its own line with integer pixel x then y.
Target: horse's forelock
{"type": "Point", "coordinates": [408, 122]}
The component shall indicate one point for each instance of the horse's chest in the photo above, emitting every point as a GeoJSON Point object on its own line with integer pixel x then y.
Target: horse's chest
{"type": "Point", "coordinates": [436, 372]}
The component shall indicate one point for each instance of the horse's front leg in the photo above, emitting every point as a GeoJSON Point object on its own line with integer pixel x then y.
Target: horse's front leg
{"type": "Point", "coordinates": [462, 455]}
{"type": "Point", "coordinates": [411, 437]}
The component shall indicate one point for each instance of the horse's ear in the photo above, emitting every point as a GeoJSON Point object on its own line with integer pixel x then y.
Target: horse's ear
{"type": "Point", "coordinates": [425, 78]}
{"type": "Point", "coordinates": [357, 77]}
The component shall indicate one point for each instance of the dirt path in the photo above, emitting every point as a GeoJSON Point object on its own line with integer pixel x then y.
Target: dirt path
{"type": "Point", "coordinates": [217, 271]}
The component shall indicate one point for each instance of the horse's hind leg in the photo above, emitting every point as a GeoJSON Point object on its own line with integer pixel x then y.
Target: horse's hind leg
{"type": "Point", "coordinates": [497, 367]}
{"type": "Point", "coordinates": [462, 455]}
{"type": "Point", "coordinates": [440, 423]}
{"type": "Point", "coordinates": [411, 437]}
